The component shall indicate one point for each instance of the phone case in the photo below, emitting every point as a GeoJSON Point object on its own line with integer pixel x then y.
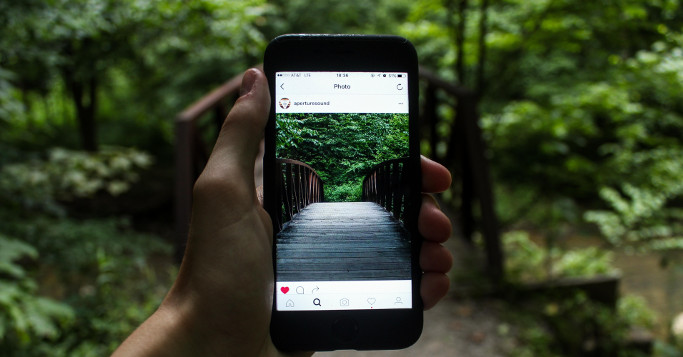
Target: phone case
{"type": "Point", "coordinates": [390, 199]}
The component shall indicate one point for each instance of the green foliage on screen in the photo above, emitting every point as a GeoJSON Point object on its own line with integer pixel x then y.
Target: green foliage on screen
{"type": "Point", "coordinates": [342, 148]}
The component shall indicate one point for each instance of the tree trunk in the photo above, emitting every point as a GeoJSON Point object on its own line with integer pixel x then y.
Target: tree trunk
{"type": "Point", "coordinates": [27, 106]}
{"type": "Point", "coordinates": [85, 109]}
{"type": "Point", "coordinates": [460, 41]}
{"type": "Point", "coordinates": [483, 30]}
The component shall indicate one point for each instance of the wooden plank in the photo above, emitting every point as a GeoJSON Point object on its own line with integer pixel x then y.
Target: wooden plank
{"type": "Point", "coordinates": [361, 253]}
{"type": "Point", "coordinates": [294, 252]}
{"type": "Point", "coordinates": [343, 241]}
{"type": "Point", "coordinates": [347, 275]}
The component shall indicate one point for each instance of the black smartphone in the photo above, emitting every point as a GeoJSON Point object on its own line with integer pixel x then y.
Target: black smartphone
{"type": "Point", "coordinates": [342, 186]}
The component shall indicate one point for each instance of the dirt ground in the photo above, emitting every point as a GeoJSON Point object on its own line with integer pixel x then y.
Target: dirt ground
{"type": "Point", "coordinates": [452, 328]}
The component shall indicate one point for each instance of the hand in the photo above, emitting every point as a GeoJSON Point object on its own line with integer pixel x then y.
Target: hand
{"type": "Point", "coordinates": [221, 301]}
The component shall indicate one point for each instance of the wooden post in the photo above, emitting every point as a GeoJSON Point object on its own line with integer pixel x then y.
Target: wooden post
{"type": "Point", "coordinates": [430, 118]}
{"type": "Point", "coordinates": [405, 188]}
{"type": "Point", "coordinates": [191, 153]}
{"type": "Point", "coordinates": [460, 156]}
{"type": "Point", "coordinates": [476, 155]}
{"type": "Point", "coordinates": [220, 111]}
{"type": "Point", "coordinates": [298, 188]}
{"type": "Point", "coordinates": [386, 183]}
{"type": "Point", "coordinates": [289, 203]}
{"type": "Point", "coordinates": [280, 187]}
{"type": "Point", "coordinates": [184, 181]}
{"type": "Point", "coordinates": [476, 169]}
{"type": "Point", "coordinates": [396, 189]}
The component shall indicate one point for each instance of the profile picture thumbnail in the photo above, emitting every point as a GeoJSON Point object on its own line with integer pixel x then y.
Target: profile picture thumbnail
{"type": "Point", "coordinates": [285, 103]}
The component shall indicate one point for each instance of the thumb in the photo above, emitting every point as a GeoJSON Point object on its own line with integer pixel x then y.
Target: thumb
{"type": "Point", "coordinates": [237, 145]}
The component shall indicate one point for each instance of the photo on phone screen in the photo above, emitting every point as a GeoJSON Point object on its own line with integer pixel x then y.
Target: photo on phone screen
{"type": "Point", "coordinates": [342, 149]}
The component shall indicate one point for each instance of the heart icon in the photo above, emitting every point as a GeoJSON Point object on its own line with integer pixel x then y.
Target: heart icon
{"type": "Point", "coordinates": [284, 289]}
{"type": "Point", "coordinates": [371, 301]}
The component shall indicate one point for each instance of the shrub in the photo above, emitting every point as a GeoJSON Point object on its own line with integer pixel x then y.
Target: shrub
{"type": "Point", "coordinates": [25, 318]}
{"type": "Point", "coordinates": [526, 261]}
{"type": "Point", "coordinates": [573, 325]}
{"type": "Point", "coordinates": [100, 273]}
{"type": "Point", "coordinates": [68, 174]}
{"type": "Point", "coordinates": [348, 192]}
{"type": "Point", "coordinates": [105, 276]}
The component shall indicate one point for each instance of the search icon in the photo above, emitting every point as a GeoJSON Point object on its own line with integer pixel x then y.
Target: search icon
{"type": "Point", "coordinates": [316, 301]}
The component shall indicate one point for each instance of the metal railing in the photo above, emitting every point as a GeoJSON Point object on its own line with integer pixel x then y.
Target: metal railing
{"type": "Point", "coordinates": [387, 185]}
{"type": "Point", "coordinates": [300, 186]}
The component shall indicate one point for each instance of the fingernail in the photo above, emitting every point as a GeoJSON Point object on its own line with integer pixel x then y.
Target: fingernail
{"type": "Point", "coordinates": [248, 81]}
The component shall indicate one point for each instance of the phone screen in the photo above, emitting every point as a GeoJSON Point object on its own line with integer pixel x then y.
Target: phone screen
{"type": "Point", "coordinates": [342, 148]}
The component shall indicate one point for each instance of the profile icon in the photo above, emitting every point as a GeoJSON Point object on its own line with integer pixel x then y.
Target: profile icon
{"type": "Point", "coordinates": [285, 103]}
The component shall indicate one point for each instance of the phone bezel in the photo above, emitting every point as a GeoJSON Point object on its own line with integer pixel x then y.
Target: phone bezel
{"type": "Point", "coordinates": [376, 329]}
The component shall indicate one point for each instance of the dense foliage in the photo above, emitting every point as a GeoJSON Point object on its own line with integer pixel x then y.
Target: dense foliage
{"type": "Point", "coordinates": [342, 148]}
{"type": "Point", "coordinates": [528, 262]}
{"type": "Point", "coordinates": [573, 325]}
{"type": "Point", "coordinates": [579, 101]}
{"type": "Point", "coordinates": [108, 68]}
{"type": "Point", "coordinates": [73, 287]}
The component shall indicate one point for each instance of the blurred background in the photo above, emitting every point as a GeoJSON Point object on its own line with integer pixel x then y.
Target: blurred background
{"type": "Point", "coordinates": [561, 121]}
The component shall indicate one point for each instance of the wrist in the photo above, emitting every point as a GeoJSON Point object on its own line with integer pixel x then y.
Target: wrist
{"type": "Point", "coordinates": [189, 329]}
{"type": "Point", "coordinates": [195, 328]}
{"type": "Point", "coordinates": [164, 333]}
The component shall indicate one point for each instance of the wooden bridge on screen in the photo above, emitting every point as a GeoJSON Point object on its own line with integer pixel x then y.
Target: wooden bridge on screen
{"type": "Point", "coordinates": [343, 240]}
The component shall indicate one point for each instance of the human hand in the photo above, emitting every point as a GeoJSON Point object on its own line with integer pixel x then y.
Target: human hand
{"type": "Point", "coordinates": [221, 301]}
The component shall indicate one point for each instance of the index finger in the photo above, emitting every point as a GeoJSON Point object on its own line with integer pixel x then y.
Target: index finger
{"type": "Point", "coordinates": [435, 177]}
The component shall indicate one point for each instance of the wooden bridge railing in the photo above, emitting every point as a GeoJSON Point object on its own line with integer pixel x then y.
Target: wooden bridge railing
{"type": "Point", "coordinates": [465, 156]}
{"type": "Point", "coordinates": [462, 151]}
{"type": "Point", "coordinates": [300, 186]}
{"type": "Point", "coordinates": [387, 185]}
{"type": "Point", "coordinates": [192, 153]}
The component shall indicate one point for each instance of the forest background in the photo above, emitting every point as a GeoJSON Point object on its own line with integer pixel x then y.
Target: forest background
{"type": "Point", "coordinates": [580, 108]}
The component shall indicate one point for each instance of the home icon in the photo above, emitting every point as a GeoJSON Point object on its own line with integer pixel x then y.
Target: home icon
{"type": "Point", "coordinates": [289, 303]}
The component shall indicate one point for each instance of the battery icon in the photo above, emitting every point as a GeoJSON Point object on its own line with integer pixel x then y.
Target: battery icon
{"type": "Point", "coordinates": [400, 75]}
